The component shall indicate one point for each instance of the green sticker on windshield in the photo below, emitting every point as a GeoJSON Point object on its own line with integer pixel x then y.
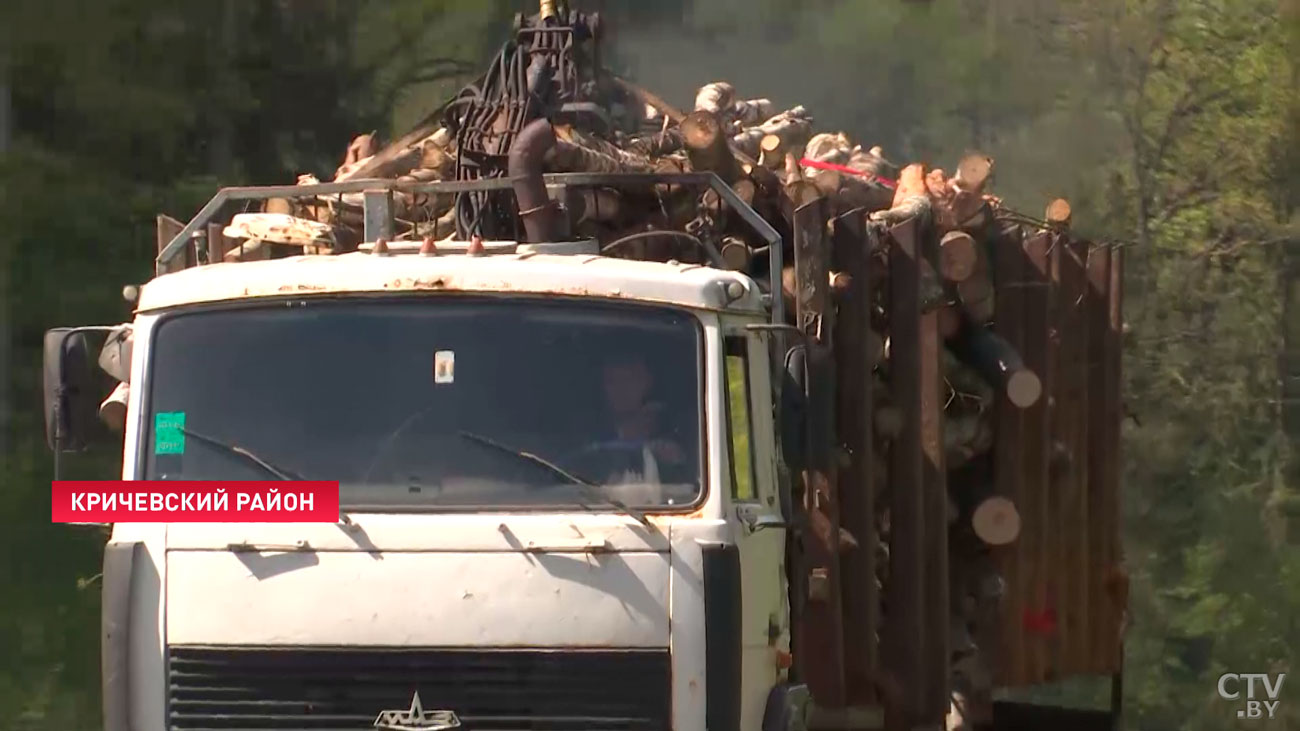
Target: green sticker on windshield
{"type": "Point", "coordinates": [168, 434]}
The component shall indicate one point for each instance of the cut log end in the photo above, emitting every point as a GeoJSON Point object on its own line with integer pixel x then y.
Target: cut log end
{"type": "Point", "coordinates": [736, 254]}
{"type": "Point", "coordinates": [701, 130]}
{"type": "Point", "coordinates": [958, 256]}
{"type": "Point", "coordinates": [802, 192]}
{"type": "Point", "coordinates": [996, 521]}
{"type": "Point", "coordinates": [973, 172]}
{"type": "Point", "coordinates": [1059, 212]}
{"type": "Point", "coordinates": [1024, 388]}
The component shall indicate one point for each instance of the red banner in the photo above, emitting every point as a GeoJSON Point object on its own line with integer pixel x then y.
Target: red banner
{"type": "Point", "coordinates": [194, 502]}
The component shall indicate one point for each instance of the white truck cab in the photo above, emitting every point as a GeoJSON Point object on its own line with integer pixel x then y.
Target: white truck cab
{"type": "Point", "coordinates": [559, 485]}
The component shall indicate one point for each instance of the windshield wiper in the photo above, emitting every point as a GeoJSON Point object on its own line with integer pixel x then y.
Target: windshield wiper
{"type": "Point", "coordinates": [589, 488]}
{"type": "Point", "coordinates": [277, 472]}
{"type": "Point", "coordinates": [267, 467]}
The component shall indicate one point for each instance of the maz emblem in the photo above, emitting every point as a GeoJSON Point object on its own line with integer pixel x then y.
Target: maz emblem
{"type": "Point", "coordinates": [416, 718]}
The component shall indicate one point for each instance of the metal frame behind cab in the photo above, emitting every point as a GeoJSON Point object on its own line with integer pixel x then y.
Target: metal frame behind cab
{"type": "Point", "coordinates": [174, 251]}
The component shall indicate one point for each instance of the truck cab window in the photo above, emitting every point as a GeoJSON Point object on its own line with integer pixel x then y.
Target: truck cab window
{"type": "Point", "coordinates": [739, 423]}
{"type": "Point", "coordinates": [409, 404]}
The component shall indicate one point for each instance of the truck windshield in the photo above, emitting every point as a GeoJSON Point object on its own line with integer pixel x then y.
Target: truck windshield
{"type": "Point", "coordinates": [435, 403]}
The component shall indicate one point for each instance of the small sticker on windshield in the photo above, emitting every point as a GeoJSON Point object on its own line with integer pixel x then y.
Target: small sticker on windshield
{"type": "Point", "coordinates": [168, 432]}
{"type": "Point", "coordinates": [444, 366]}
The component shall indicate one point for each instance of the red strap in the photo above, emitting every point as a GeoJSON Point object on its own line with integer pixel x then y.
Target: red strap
{"type": "Point", "coordinates": [810, 163]}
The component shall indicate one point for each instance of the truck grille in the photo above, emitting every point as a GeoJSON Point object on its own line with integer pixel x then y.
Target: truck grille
{"type": "Point", "coordinates": [345, 690]}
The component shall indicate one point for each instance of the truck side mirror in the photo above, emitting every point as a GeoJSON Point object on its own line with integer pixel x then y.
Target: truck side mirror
{"type": "Point", "coordinates": [794, 409]}
{"type": "Point", "coordinates": [70, 390]}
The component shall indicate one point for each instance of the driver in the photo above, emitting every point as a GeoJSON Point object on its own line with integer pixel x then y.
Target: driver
{"type": "Point", "coordinates": [633, 416]}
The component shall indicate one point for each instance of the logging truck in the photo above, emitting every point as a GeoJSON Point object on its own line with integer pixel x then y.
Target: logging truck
{"type": "Point", "coordinates": [632, 430]}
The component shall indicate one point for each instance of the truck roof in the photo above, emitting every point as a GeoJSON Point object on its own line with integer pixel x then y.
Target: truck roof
{"type": "Point", "coordinates": [688, 285]}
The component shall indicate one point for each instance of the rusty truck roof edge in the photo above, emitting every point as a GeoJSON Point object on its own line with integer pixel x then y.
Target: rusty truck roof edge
{"type": "Point", "coordinates": [687, 285]}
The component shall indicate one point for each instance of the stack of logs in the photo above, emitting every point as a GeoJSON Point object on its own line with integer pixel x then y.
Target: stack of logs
{"type": "Point", "coordinates": [778, 164]}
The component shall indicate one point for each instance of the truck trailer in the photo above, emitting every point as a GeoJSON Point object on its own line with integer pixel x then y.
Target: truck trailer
{"type": "Point", "coordinates": [633, 429]}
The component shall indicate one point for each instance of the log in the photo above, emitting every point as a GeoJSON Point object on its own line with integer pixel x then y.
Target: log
{"type": "Point", "coordinates": [828, 182]}
{"type": "Point", "coordinates": [751, 111]}
{"type": "Point", "coordinates": [915, 207]}
{"type": "Point", "coordinates": [839, 282]}
{"type": "Point", "coordinates": [570, 157]}
{"type": "Point", "coordinates": [976, 293]}
{"type": "Point", "coordinates": [658, 145]}
{"type": "Point", "coordinates": [768, 182]}
{"type": "Point", "coordinates": [872, 162]}
{"type": "Point", "coordinates": [249, 250]}
{"type": "Point", "coordinates": [792, 131]}
{"type": "Point", "coordinates": [650, 99]}
{"type": "Point", "coordinates": [360, 148]}
{"type": "Point", "coordinates": [1058, 213]}
{"type": "Point", "coordinates": [958, 256]}
{"type": "Point", "coordinates": [911, 184]}
{"type": "Point", "coordinates": [631, 160]}
{"type": "Point", "coordinates": [706, 146]}
{"type": "Point", "coordinates": [802, 192]}
{"type": "Point", "coordinates": [974, 215]}
{"type": "Point", "coordinates": [936, 184]}
{"type": "Point", "coordinates": [602, 205]}
{"type": "Point", "coordinates": [793, 173]}
{"type": "Point", "coordinates": [746, 190]}
{"type": "Point", "coordinates": [771, 152]}
{"type": "Point", "coordinates": [435, 158]}
{"type": "Point", "coordinates": [714, 97]}
{"type": "Point", "coordinates": [398, 164]}
{"type": "Point", "coordinates": [827, 147]}
{"type": "Point", "coordinates": [996, 521]}
{"type": "Point", "coordinates": [973, 173]}
{"type": "Point", "coordinates": [737, 254]}
{"type": "Point", "coordinates": [857, 192]}
{"type": "Point", "coordinates": [998, 363]}
{"type": "Point", "coordinates": [748, 141]}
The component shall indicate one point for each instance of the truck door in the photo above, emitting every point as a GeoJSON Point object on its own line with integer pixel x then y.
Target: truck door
{"type": "Point", "coordinates": [755, 508]}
